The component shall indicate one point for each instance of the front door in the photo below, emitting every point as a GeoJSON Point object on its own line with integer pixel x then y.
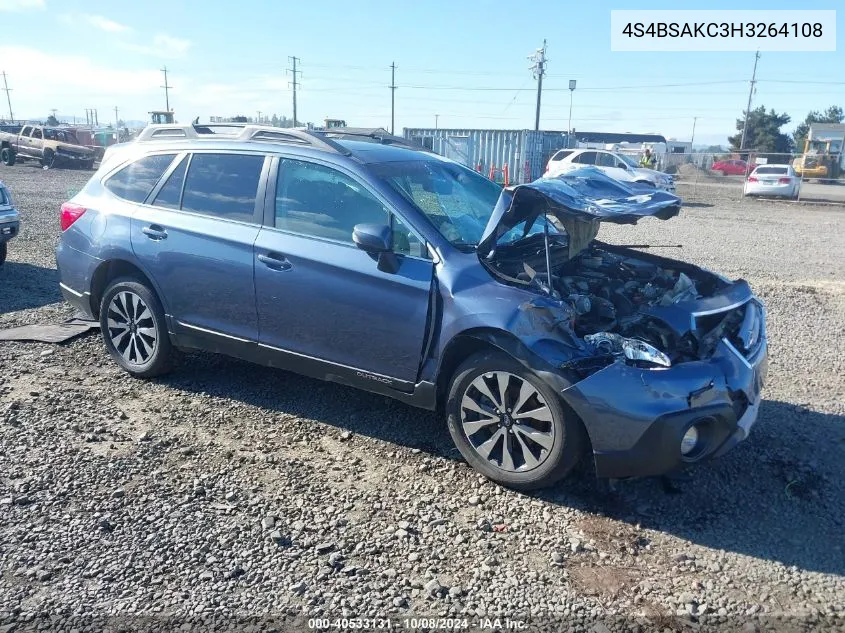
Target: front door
{"type": "Point", "coordinates": [196, 241]}
{"type": "Point", "coordinates": [322, 297]}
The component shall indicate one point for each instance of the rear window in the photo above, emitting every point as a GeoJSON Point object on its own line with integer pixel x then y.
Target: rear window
{"type": "Point", "coordinates": [135, 181]}
{"type": "Point", "coordinates": [562, 154]}
{"type": "Point", "coordinates": [781, 171]}
{"type": "Point", "coordinates": [223, 185]}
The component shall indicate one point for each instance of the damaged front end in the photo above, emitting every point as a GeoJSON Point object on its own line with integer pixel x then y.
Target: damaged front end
{"type": "Point", "coordinates": [664, 361]}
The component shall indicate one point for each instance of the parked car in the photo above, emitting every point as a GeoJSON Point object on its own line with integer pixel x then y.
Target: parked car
{"type": "Point", "coordinates": [773, 180]}
{"type": "Point", "coordinates": [50, 146]}
{"type": "Point", "coordinates": [730, 167]}
{"type": "Point", "coordinates": [379, 265]}
{"type": "Point", "coordinates": [616, 165]}
{"type": "Point", "coordinates": [9, 221]}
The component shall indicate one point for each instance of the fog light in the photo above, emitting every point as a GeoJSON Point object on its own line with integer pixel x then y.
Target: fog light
{"type": "Point", "coordinates": [689, 441]}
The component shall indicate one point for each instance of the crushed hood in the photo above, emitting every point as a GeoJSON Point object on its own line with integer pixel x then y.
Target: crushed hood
{"type": "Point", "coordinates": [579, 200]}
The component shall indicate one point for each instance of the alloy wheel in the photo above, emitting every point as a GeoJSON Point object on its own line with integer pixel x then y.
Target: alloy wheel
{"type": "Point", "coordinates": [507, 421]}
{"type": "Point", "coordinates": [131, 328]}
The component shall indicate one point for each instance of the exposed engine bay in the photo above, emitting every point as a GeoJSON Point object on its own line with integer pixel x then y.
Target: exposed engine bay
{"type": "Point", "coordinates": [610, 295]}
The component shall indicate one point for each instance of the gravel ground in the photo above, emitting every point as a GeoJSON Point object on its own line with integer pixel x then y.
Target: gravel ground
{"type": "Point", "coordinates": [228, 491]}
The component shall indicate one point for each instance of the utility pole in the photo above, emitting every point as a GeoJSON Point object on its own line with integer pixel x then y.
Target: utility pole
{"type": "Point", "coordinates": [8, 98]}
{"type": "Point", "coordinates": [436, 120]}
{"type": "Point", "coordinates": [116, 119]}
{"type": "Point", "coordinates": [294, 83]}
{"type": "Point", "coordinates": [96, 118]}
{"type": "Point", "coordinates": [694, 120]}
{"type": "Point", "coordinates": [259, 116]}
{"type": "Point", "coordinates": [392, 94]}
{"type": "Point", "coordinates": [539, 69]}
{"type": "Point", "coordinates": [167, 88]}
{"type": "Point", "coordinates": [748, 107]}
{"type": "Point", "coordinates": [572, 84]}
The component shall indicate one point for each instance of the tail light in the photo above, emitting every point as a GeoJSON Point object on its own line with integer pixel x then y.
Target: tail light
{"type": "Point", "coordinates": [752, 179]}
{"type": "Point", "coordinates": [784, 181]}
{"type": "Point", "coordinates": [70, 214]}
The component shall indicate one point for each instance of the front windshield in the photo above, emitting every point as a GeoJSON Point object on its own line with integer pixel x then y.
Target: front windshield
{"type": "Point", "coordinates": [457, 200]}
{"type": "Point", "coordinates": [627, 160]}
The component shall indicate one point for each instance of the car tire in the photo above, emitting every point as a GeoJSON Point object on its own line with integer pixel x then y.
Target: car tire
{"type": "Point", "coordinates": [89, 165]}
{"type": "Point", "coordinates": [134, 329]}
{"type": "Point", "coordinates": [48, 160]}
{"type": "Point", "coordinates": [554, 439]}
{"type": "Point", "coordinates": [7, 156]}
{"type": "Point", "coordinates": [4, 251]}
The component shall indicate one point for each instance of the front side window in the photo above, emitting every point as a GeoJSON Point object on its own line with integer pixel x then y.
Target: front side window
{"type": "Point", "coordinates": [322, 202]}
{"type": "Point", "coordinates": [223, 185]}
{"type": "Point", "coordinates": [605, 160]}
{"type": "Point", "coordinates": [585, 158]}
{"type": "Point", "coordinates": [135, 181]}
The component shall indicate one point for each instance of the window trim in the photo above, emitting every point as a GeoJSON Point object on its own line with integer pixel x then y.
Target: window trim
{"type": "Point", "coordinates": [258, 211]}
{"type": "Point", "coordinates": [270, 205]}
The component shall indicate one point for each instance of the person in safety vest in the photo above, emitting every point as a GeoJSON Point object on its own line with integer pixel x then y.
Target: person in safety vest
{"type": "Point", "coordinates": [647, 159]}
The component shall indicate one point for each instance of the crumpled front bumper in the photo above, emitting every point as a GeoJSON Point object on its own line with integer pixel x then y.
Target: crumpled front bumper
{"type": "Point", "coordinates": [636, 417]}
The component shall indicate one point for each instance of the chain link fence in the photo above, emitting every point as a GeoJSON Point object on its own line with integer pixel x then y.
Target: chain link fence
{"type": "Point", "coordinates": [798, 178]}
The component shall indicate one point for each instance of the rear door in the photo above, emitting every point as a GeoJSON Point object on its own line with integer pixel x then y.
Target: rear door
{"type": "Point", "coordinates": [608, 163]}
{"type": "Point", "coordinates": [195, 236]}
{"type": "Point", "coordinates": [322, 297]}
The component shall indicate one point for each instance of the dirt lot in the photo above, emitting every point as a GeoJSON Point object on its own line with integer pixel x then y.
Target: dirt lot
{"type": "Point", "coordinates": [228, 490]}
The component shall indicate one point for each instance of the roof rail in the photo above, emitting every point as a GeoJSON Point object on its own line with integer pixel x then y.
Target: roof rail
{"type": "Point", "coordinates": [376, 135]}
{"type": "Point", "coordinates": [242, 132]}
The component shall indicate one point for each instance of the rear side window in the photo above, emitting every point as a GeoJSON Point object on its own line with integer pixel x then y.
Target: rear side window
{"type": "Point", "coordinates": [170, 194]}
{"type": "Point", "coordinates": [562, 154]}
{"type": "Point", "coordinates": [135, 181]}
{"type": "Point", "coordinates": [322, 202]}
{"type": "Point", "coordinates": [223, 185]}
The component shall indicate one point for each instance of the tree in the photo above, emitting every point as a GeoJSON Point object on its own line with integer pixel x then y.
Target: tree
{"type": "Point", "coordinates": [275, 120]}
{"type": "Point", "coordinates": [52, 120]}
{"type": "Point", "coordinates": [833, 114]}
{"type": "Point", "coordinates": [763, 135]}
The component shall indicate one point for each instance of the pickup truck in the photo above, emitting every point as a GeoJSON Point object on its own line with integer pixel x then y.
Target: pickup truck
{"type": "Point", "coordinates": [50, 146]}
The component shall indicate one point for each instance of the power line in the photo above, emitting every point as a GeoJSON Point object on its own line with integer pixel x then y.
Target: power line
{"type": "Point", "coordinates": [748, 107]}
{"type": "Point", "coordinates": [392, 94]}
{"type": "Point", "coordinates": [8, 98]}
{"type": "Point", "coordinates": [538, 70]}
{"type": "Point", "coordinates": [294, 84]}
{"type": "Point", "coordinates": [167, 88]}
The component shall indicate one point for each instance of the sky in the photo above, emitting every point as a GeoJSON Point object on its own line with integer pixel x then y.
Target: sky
{"type": "Point", "coordinates": [458, 65]}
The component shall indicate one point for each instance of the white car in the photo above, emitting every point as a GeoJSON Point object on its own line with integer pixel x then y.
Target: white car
{"type": "Point", "coordinates": [614, 164]}
{"type": "Point", "coordinates": [772, 180]}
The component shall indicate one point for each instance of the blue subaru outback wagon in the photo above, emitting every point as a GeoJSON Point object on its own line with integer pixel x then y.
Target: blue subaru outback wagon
{"type": "Point", "coordinates": [360, 258]}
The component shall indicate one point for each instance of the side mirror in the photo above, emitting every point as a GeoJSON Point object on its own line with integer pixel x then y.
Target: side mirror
{"type": "Point", "coordinates": [372, 238]}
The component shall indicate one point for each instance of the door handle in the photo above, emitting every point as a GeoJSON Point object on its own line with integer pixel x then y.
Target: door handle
{"type": "Point", "coordinates": [275, 261]}
{"type": "Point", "coordinates": [155, 232]}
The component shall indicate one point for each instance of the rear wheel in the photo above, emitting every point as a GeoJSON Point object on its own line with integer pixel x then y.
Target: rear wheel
{"type": "Point", "coordinates": [510, 425]}
{"type": "Point", "coordinates": [4, 250]}
{"type": "Point", "coordinates": [7, 156]}
{"type": "Point", "coordinates": [134, 329]}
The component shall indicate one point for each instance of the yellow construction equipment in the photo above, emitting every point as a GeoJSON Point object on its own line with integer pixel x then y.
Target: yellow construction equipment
{"type": "Point", "coordinates": [822, 156]}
